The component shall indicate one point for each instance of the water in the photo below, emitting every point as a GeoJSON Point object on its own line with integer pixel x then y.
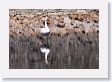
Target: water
{"type": "Point", "coordinates": [73, 51]}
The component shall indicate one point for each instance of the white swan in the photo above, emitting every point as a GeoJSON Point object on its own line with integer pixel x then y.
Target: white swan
{"type": "Point", "coordinates": [46, 50]}
{"type": "Point", "coordinates": [45, 30]}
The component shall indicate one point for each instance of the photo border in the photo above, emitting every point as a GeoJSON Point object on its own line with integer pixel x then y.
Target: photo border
{"type": "Point", "coordinates": [102, 72]}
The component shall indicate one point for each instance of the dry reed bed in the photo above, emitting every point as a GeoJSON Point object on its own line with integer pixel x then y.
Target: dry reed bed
{"type": "Point", "coordinates": [60, 21]}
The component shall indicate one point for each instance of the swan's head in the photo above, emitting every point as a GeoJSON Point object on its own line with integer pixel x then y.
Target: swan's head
{"type": "Point", "coordinates": [46, 19]}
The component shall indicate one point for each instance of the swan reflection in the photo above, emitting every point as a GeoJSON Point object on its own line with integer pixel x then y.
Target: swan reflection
{"type": "Point", "coordinates": [46, 50]}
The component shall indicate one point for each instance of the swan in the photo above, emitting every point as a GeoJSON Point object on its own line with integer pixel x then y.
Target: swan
{"type": "Point", "coordinates": [46, 50]}
{"type": "Point", "coordinates": [45, 30]}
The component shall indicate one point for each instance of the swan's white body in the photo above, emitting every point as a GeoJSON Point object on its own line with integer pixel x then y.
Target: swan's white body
{"type": "Point", "coordinates": [45, 30]}
{"type": "Point", "coordinates": [46, 52]}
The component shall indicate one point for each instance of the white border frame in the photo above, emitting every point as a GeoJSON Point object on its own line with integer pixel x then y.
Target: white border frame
{"type": "Point", "coordinates": [102, 72]}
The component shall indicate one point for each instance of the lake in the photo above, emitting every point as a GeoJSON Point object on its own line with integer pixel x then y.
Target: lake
{"type": "Point", "coordinates": [69, 51]}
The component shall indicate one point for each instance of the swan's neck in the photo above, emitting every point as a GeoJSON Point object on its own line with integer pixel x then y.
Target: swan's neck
{"type": "Point", "coordinates": [46, 24]}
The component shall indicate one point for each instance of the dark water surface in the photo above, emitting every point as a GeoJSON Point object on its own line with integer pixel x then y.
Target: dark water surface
{"type": "Point", "coordinates": [73, 51]}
